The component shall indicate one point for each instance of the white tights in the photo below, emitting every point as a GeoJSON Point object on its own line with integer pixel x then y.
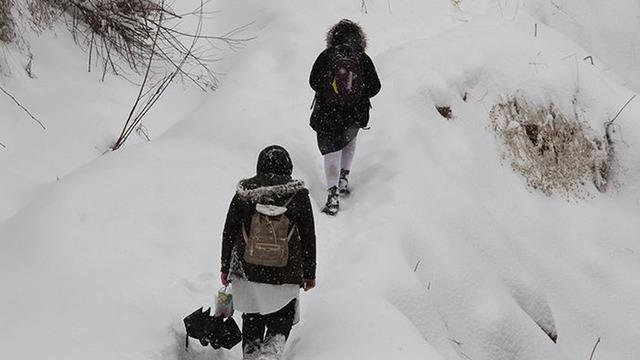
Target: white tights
{"type": "Point", "coordinates": [335, 161]}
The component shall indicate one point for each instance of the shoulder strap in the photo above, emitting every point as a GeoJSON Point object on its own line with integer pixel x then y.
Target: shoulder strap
{"type": "Point", "coordinates": [294, 225]}
{"type": "Point", "coordinates": [313, 103]}
{"type": "Point", "coordinates": [290, 199]}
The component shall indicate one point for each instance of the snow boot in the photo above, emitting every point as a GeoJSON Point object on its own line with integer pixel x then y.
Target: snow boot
{"type": "Point", "coordinates": [343, 183]}
{"type": "Point", "coordinates": [333, 202]}
{"type": "Point", "coordinates": [252, 351]}
{"type": "Point", "coordinates": [273, 348]}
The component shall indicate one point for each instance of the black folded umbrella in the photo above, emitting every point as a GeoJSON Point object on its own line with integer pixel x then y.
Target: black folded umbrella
{"type": "Point", "coordinates": [229, 334]}
{"type": "Point", "coordinates": [196, 325]}
{"type": "Point", "coordinates": [212, 330]}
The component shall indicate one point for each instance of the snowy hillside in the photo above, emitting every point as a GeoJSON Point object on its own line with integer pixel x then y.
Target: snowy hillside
{"type": "Point", "coordinates": [442, 251]}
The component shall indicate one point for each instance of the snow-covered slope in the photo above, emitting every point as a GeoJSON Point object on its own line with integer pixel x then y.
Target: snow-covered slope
{"type": "Point", "coordinates": [608, 31]}
{"type": "Point", "coordinates": [441, 252]}
{"type": "Point", "coordinates": [82, 115]}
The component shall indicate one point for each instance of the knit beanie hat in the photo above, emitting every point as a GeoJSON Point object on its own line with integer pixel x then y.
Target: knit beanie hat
{"type": "Point", "coordinates": [275, 160]}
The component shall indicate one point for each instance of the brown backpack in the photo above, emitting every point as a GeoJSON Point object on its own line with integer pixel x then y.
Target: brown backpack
{"type": "Point", "coordinates": [267, 242]}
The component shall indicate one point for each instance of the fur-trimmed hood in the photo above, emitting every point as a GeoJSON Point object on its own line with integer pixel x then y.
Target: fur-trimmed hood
{"type": "Point", "coordinates": [347, 32]}
{"type": "Point", "coordinates": [252, 190]}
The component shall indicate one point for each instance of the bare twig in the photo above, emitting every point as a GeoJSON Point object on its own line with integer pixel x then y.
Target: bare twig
{"type": "Point", "coordinates": [609, 126]}
{"type": "Point", "coordinates": [594, 349]}
{"type": "Point", "coordinates": [560, 9]}
{"type": "Point", "coordinates": [106, 59]}
{"type": "Point", "coordinates": [142, 131]}
{"type": "Point", "coordinates": [91, 50]}
{"type": "Point", "coordinates": [624, 107]}
{"type": "Point", "coordinates": [459, 348]}
{"type": "Point", "coordinates": [29, 67]}
{"type": "Point", "coordinates": [139, 111]}
{"type": "Point", "coordinates": [122, 138]}
{"type": "Point", "coordinates": [22, 107]}
{"type": "Point", "coordinates": [589, 58]}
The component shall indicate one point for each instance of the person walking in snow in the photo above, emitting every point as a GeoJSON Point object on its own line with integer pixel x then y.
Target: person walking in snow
{"type": "Point", "coordinates": [344, 79]}
{"type": "Point", "coordinates": [269, 252]}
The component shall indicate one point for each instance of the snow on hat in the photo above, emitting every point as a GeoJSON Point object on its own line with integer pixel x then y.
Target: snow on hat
{"type": "Point", "coordinates": [274, 159]}
{"type": "Point", "coordinates": [346, 32]}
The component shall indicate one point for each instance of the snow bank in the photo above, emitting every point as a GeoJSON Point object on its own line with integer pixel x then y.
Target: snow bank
{"type": "Point", "coordinates": [112, 256]}
{"type": "Point", "coordinates": [82, 116]}
{"type": "Point", "coordinates": [607, 31]}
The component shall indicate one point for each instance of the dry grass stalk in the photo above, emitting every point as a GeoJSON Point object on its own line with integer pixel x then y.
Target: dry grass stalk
{"type": "Point", "coordinates": [595, 346]}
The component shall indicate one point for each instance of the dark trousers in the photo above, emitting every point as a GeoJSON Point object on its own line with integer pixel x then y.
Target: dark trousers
{"type": "Point", "coordinates": [277, 323]}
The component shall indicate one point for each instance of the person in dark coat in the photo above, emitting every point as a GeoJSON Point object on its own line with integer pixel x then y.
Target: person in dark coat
{"type": "Point", "coordinates": [337, 122]}
{"type": "Point", "coordinates": [269, 296]}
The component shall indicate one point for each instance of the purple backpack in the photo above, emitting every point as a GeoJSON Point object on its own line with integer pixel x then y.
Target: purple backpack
{"type": "Point", "coordinates": [346, 75]}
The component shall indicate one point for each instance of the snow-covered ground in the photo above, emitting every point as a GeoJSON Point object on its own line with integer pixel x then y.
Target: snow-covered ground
{"type": "Point", "coordinates": [441, 252]}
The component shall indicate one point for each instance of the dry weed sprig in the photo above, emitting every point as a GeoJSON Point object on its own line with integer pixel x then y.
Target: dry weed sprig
{"type": "Point", "coordinates": [594, 348]}
{"type": "Point", "coordinates": [19, 104]}
{"type": "Point", "coordinates": [153, 93]}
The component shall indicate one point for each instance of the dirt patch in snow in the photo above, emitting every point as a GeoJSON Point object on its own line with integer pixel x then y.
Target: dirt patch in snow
{"type": "Point", "coordinates": [445, 112]}
{"type": "Point", "coordinates": [554, 152]}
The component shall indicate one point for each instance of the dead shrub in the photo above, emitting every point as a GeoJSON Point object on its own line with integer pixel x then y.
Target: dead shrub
{"type": "Point", "coordinates": [120, 35]}
{"type": "Point", "coordinates": [124, 27]}
{"type": "Point", "coordinates": [555, 153]}
{"type": "Point", "coordinates": [120, 29]}
{"type": "Point", "coordinates": [42, 14]}
{"type": "Point", "coordinates": [7, 23]}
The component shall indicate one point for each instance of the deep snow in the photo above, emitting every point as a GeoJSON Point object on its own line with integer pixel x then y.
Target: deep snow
{"type": "Point", "coordinates": [440, 252]}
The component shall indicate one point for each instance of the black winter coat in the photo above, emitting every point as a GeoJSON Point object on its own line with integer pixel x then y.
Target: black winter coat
{"type": "Point", "coordinates": [274, 190]}
{"type": "Point", "coordinates": [332, 119]}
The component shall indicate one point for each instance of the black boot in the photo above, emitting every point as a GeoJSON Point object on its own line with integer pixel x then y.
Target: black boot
{"type": "Point", "coordinates": [333, 202]}
{"type": "Point", "coordinates": [343, 184]}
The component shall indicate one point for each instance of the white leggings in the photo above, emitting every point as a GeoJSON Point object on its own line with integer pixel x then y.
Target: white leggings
{"type": "Point", "coordinates": [335, 161]}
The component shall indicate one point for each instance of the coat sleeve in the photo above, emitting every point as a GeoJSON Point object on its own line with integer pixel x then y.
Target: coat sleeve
{"type": "Point", "coordinates": [232, 228]}
{"type": "Point", "coordinates": [306, 229]}
{"type": "Point", "coordinates": [372, 82]}
{"type": "Point", "coordinates": [318, 77]}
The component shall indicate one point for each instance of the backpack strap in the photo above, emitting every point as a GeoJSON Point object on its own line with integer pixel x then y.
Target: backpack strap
{"type": "Point", "coordinates": [290, 199]}
{"type": "Point", "coordinates": [294, 225]}
{"type": "Point", "coordinates": [313, 103]}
